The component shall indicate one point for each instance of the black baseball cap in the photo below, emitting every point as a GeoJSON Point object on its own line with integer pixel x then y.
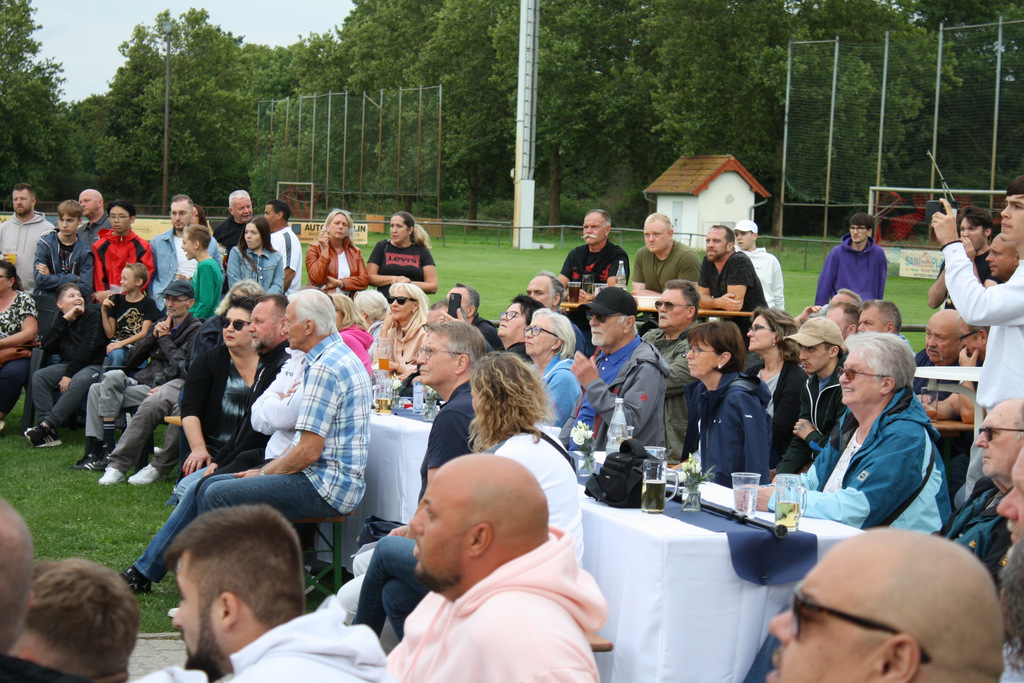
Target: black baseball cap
{"type": "Point", "coordinates": [612, 301]}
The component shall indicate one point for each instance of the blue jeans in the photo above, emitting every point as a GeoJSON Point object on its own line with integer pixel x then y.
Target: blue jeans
{"type": "Point", "coordinates": [116, 358]}
{"type": "Point", "coordinates": [291, 494]}
{"type": "Point", "coordinates": [389, 588]}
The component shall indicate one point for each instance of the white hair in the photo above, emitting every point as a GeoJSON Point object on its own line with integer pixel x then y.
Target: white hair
{"type": "Point", "coordinates": [314, 305]}
{"type": "Point", "coordinates": [238, 194]}
{"type": "Point", "coordinates": [562, 330]}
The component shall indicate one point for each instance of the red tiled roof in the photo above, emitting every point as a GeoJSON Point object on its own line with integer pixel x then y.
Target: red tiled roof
{"type": "Point", "coordinates": [693, 175]}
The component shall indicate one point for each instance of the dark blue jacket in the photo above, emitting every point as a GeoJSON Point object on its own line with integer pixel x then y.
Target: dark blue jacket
{"type": "Point", "coordinates": [48, 254]}
{"type": "Point", "coordinates": [735, 431]}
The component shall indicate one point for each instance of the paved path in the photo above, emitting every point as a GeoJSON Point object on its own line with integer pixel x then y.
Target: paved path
{"type": "Point", "coordinates": [156, 651]}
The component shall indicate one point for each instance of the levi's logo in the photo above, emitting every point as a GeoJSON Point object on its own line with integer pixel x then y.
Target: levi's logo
{"type": "Point", "coordinates": [408, 260]}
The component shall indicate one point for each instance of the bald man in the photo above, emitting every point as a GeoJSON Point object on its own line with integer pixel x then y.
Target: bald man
{"type": "Point", "coordinates": [95, 216]}
{"type": "Point", "coordinates": [514, 603]}
{"type": "Point", "coordinates": [892, 605]}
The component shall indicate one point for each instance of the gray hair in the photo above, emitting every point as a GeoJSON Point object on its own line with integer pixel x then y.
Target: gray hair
{"type": "Point", "coordinates": [238, 194]}
{"type": "Point", "coordinates": [557, 289]}
{"type": "Point", "coordinates": [604, 214]}
{"type": "Point", "coordinates": [885, 354]}
{"type": "Point", "coordinates": [563, 330]}
{"type": "Point", "coordinates": [245, 287]}
{"type": "Point", "coordinates": [474, 296]}
{"type": "Point", "coordinates": [889, 312]}
{"type": "Point", "coordinates": [688, 289]}
{"type": "Point", "coordinates": [314, 305]}
{"type": "Point", "coordinates": [461, 338]}
{"type": "Point", "coordinates": [372, 303]}
{"type": "Point", "coordinates": [15, 574]}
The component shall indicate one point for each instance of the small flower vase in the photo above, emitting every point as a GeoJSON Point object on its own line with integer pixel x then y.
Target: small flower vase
{"type": "Point", "coordinates": [691, 497]}
{"type": "Point", "coordinates": [430, 410]}
{"type": "Point", "coordinates": [587, 464]}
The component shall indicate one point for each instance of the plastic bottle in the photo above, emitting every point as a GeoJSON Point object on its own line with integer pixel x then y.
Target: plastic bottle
{"type": "Point", "coordinates": [620, 275]}
{"type": "Point", "coordinates": [417, 398]}
{"type": "Point", "coordinates": [617, 432]}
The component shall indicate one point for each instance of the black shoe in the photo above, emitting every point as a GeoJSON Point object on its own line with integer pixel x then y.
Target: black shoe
{"type": "Point", "coordinates": [85, 463]}
{"type": "Point", "coordinates": [42, 436]}
{"type": "Point", "coordinates": [99, 460]}
{"type": "Point", "coordinates": [136, 581]}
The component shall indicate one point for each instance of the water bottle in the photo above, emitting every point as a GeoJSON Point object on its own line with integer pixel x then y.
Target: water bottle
{"type": "Point", "coordinates": [620, 275]}
{"type": "Point", "coordinates": [617, 432]}
{"type": "Point", "coordinates": [417, 398]}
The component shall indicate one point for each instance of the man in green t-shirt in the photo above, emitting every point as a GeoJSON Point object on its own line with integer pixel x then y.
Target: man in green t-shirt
{"type": "Point", "coordinates": [662, 258]}
{"type": "Point", "coordinates": [208, 278]}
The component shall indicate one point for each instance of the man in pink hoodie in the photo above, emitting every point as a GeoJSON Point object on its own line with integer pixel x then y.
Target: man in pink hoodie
{"type": "Point", "coordinates": [508, 600]}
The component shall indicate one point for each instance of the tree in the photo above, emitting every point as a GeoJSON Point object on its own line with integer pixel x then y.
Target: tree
{"type": "Point", "coordinates": [34, 132]}
{"type": "Point", "coordinates": [212, 118]}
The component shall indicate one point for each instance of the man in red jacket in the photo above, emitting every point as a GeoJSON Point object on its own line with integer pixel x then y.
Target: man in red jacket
{"type": "Point", "coordinates": [115, 248]}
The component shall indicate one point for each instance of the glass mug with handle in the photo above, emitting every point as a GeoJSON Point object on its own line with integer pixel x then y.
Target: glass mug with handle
{"type": "Point", "coordinates": [652, 495]}
{"type": "Point", "coordinates": [790, 500]}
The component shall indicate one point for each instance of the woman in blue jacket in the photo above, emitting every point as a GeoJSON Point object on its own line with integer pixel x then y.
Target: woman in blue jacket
{"type": "Point", "coordinates": [728, 417]}
{"type": "Point", "coordinates": [255, 258]}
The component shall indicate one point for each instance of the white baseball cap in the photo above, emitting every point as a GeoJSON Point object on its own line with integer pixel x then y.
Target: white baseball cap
{"type": "Point", "coordinates": [746, 225]}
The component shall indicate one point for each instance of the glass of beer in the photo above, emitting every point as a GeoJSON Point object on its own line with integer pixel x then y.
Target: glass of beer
{"type": "Point", "coordinates": [588, 284]}
{"type": "Point", "coordinates": [382, 391]}
{"type": "Point", "coordinates": [652, 494]}
{"type": "Point", "coordinates": [790, 500]}
{"type": "Point", "coordinates": [574, 292]}
{"type": "Point", "coordinates": [384, 353]}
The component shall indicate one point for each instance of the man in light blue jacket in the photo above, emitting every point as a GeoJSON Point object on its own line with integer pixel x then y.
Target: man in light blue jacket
{"type": "Point", "coordinates": [168, 258]}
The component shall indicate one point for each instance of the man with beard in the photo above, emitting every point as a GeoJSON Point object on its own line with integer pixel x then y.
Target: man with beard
{"type": "Point", "coordinates": [728, 281]}
{"type": "Point", "coordinates": [20, 234]}
{"type": "Point", "coordinates": [239, 572]}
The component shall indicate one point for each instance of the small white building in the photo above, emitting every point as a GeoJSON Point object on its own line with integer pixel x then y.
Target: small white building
{"type": "Point", "coordinates": [701, 191]}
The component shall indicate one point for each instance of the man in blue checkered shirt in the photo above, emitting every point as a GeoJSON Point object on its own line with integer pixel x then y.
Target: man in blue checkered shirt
{"type": "Point", "coordinates": [321, 474]}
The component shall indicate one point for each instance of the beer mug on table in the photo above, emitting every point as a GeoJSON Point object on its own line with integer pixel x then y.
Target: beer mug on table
{"type": "Point", "coordinates": [790, 500]}
{"type": "Point", "coordinates": [652, 496]}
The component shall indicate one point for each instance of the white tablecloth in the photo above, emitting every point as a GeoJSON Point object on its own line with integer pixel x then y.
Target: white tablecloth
{"type": "Point", "coordinates": [677, 610]}
{"type": "Point", "coordinates": [397, 445]}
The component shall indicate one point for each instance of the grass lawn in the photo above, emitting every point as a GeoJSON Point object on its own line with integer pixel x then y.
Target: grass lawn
{"type": "Point", "coordinates": [71, 516]}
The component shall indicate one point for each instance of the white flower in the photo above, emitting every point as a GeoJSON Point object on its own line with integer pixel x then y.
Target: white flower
{"type": "Point", "coordinates": [580, 433]}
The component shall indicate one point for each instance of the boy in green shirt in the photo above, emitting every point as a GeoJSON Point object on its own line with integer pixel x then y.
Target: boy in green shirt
{"type": "Point", "coordinates": [207, 279]}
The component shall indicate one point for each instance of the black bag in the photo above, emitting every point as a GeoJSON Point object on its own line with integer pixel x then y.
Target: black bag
{"type": "Point", "coordinates": [620, 481]}
{"type": "Point", "coordinates": [374, 528]}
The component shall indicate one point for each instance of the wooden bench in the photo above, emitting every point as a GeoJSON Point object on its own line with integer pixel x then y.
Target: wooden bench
{"type": "Point", "coordinates": [599, 644]}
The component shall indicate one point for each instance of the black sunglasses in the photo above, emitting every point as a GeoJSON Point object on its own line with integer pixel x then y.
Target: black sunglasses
{"type": "Point", "coordinates": [238, 325]}
{"type": "Point", "coordinates": [402, 300]}
{"type": "Point", "coordinates": [801, 606]}
{"type": "Point", "coordinates": [602, 317]}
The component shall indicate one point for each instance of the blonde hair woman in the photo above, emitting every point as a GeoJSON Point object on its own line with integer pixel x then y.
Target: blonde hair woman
{"type": "Point", "coordinates": [333, 263]}
{"type": "Point", "coordinates": [404, 327]}
{"type": "Point", "coordinates": [352, 328]}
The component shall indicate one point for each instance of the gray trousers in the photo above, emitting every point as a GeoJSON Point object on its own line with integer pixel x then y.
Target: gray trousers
{"type": "Point", "coordinates": [111, 396]}
{"type": "Point", "coordinates": [150, 414]}
{"type": "Point", "coordinates": [46, 381]}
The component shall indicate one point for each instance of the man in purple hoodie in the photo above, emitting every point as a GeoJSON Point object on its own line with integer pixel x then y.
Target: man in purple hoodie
{"type": "Point", "coordinates": [857, 264]}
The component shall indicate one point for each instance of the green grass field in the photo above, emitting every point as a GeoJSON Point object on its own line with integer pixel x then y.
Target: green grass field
{"type": "Point", "coordinates": [70, 515]}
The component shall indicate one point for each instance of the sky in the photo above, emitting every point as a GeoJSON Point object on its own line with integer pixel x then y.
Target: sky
{"type": "Point", "coordinates": [84, 35]}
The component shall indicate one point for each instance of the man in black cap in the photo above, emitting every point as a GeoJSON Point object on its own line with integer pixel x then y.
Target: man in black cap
{"type": "Point", "coordinates": [154, 389]}
{"type": "Point", "coordinates": [624, 367]}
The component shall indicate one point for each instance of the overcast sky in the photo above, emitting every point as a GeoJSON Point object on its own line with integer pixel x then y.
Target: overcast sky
{"type": "Point", "coordinates": [83, 35]}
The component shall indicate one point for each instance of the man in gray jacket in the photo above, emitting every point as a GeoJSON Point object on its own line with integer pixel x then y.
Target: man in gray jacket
{"type": "Point", "coordinates": [20, 234]}
{"type": "Point", "coordinates": [624, 367]}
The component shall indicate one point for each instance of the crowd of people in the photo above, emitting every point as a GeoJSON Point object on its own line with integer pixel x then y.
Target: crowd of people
{"type": "Point", "coordinates": [267, 385]}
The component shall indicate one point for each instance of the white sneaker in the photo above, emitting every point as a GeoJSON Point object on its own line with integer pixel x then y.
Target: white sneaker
{"type": "Point", "coordinates": [111, 476]}
{"type": "Point", "coordinates": [147, 475]}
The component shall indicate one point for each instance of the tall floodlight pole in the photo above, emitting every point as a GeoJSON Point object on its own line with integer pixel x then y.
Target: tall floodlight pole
{"type": "Point", "coordinates": [166, 27]}
{"type": "Point", "coordinates": [526, 124]}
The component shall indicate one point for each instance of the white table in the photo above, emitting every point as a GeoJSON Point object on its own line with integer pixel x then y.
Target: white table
{"type": "Point", "coordinates": [677, 610]}
{"type": "Point", "coordinates": [955, 374]}
{"type": "Point", "coordinates": [397, 445]}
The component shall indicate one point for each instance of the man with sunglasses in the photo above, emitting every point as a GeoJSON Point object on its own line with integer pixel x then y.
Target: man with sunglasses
{"type": "Point", "coordinates": [857, 264]}
{"type": "Point", "coordinates": [978, 525]}
{"type": "Point", "coordinates": [677, 313]}
{"type": "Point", "coordinates": [118, 392]}
{"type": "Point", "coordinates": [891, 605]}
{"type": "Point", "coordinates": [881, 465]}
{"type": "Point", "coordinates": [624, 367]}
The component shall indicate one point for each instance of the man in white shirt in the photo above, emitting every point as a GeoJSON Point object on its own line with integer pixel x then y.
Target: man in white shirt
{"type": "Point", "coordinates": [767, 267]}
{"type": "Point", "coordinates": [277, 212]}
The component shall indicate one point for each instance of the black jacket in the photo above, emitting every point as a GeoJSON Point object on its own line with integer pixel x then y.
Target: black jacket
{"type": "Point", "coordinates": [161, 351]}
{"type": "Point", "coordinates": [80, 342]}
{"type": "Point", "coordinates": [786, 402]}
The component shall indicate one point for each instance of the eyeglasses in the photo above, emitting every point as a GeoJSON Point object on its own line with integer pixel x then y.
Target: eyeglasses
{"type": "Point", "coordinates": [537, 329]}
{"type": "Point", "coordinates": [990, 432]}
{"type": "Point", "coordinates": [801, 606]}
{"type": "Point", "coordinates": [508, 315]}
{"type": "Point", "coordinates": [963, 337]}
{"type": "Point", "coordinates": [428, 352]}
{"type": "Point", "coordinates": [696, 351]}
{"type": "Point", "coordinates": [668, 305]}
{"type": "Point", "coordinates": [757, 328]}
{"type": "Point", "coordinates": [118, 218]}
{"type": "Point", "coordinates": [237, 325]}
{"type": "Point", "coordinates": [400, 300]}
{"type": "Point", "coordinates": [602, 318]}
{"type": "Point", "coordinates": [852, 374]}
{"type": "Point", "coordinates": [859, 227]}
